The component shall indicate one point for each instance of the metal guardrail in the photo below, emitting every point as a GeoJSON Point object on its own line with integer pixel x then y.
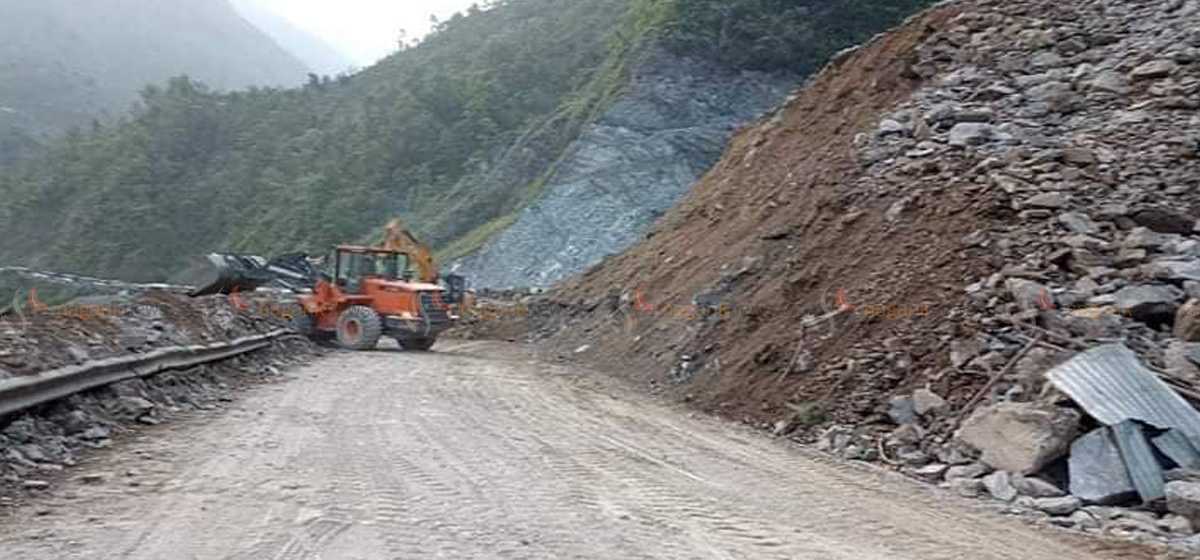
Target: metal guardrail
{"type": "Point", "coordinates": [21, 393]}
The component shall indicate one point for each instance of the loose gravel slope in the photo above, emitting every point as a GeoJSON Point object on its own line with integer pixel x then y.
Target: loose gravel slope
{"type": "Point", "coordinates": [478, 451]}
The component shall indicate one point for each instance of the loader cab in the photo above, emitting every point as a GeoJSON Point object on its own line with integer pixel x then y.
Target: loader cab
{"type": "Point", "coordinates": [351, 266]}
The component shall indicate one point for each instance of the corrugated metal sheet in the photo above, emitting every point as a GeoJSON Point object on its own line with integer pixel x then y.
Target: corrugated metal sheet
{"type": "Point", "coordinates": [1112, 386]}
{"type": "Point", "coordinates": [1144, 470]}
{"type": "Point", "coordinates": [1175, 445]}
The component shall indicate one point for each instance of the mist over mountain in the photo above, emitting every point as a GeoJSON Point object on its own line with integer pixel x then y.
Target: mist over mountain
{"type": "Point", "coordinates": [64, 62]}
{"type": "Point", "coordinates": [320, 56]}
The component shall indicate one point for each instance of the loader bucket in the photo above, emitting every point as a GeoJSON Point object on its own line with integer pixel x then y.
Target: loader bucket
{"type": "Point", "coordinates": [221, 274]}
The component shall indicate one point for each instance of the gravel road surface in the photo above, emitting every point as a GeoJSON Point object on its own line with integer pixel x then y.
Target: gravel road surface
{"type": "Point", "coordinates": [480, 451]}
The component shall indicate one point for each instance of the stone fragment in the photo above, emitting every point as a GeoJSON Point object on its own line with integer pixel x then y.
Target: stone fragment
{"type": "Point", "coordinates": [1037, 488]}
{"type": "Point", "coordinates": [1058, 507]}
{"type": "Point", "coordinates": [1153, 70]}
{"type": "Point", "coordinates": [971, 134]}
{"type": "Point", "coordinates": [1164, 220]}
{"type": "Point", "coordinates": [1053, 200]}
{"type": "Point", "coordinates": [926, 402]}
{"type": "Point", "coordinates": [999, 485]}
{"type": "Point", "coordinates": [973, 470]}
{"type": "Point", "coordinates": [1078, 222]}
{"type": "Point", "coordinates": [902, 411]}
{"type": "Point", "coordinates": [1183, 499]}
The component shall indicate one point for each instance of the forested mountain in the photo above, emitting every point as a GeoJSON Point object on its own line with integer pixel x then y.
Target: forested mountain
{"type": "Point", "coordinates": [64, 62]}
{"type": "Point", "coordinates": [422, 134]}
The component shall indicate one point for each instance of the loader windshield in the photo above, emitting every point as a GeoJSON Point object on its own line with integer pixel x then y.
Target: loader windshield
{"type": "Point", "coordinates": [353, 266]}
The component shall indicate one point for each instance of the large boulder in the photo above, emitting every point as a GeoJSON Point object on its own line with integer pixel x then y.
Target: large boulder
{"type": "Point", "coordinates": [1020, 437]}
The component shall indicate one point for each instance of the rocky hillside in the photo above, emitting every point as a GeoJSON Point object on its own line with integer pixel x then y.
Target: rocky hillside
{"type": "Point", "coordinates": [63, 63]}
{"type": "Point", "coordinates": [502, 116]}
{"type": "Point", "coordinates": [926, 228]}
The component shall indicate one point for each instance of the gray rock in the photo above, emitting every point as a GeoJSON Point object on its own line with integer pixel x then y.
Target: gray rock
{"type": "Point", "coordinates": [1183, 499]}
{"type": "Point", "coordinates": [902, 411]}
{"type": "Point", "coordinates": [95, 433]}
{"type": "Point", "coordinates": [1084, 520]}
{"type": "Point", "coordinates": [1154, 70]}
{"type": "Point", "coordinates": [1020, 437]}
{"type": "Point", "coordinates": [1148, 303]}
{"type": "Point", "coordinates": [932, 472]}
{"type": "Point", "coordinates": [1037, 488]}
{"type": "Point", "coordinates": [973, 470]}
{"type": "Point", "coordinates": [1165, 220]}
{"type": "Point", "coordinates": [999, 485]}
{"type": "Point", "coordinates": [1177, 524]}
{"type": "Point", "coordinates": [75, 422]}
{"type": "Point", "coordinates": [1111, 82]}
{"type": "Point", "coordinates": [1078, 222]}
{"type": "Point", "coordinates": [965, 487]}
{"type": "Point", "coordinates": [1058, 506]}
{"type": "Point", "coordinates": [926, 402]}
{"type": "Point", "coordinates": [892, 127]}
{"type": "Point", "coordinates": [133, 407]}
{"type": "Point", "coordinates": [1053, 200]}
{"type": "Point", "coordinates": [1179, 270]}
{"type": "Point", "coordinates": [971, 134]}
{"type": "Point", "coordinates": [1098, 474]}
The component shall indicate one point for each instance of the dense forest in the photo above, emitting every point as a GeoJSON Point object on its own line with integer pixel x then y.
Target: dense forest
{"type": "Point", "coordinates": [274, 170]}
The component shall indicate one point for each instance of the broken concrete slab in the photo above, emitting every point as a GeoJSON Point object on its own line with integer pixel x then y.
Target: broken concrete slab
{"type": "Point", "coordinates": [1097, 471]}
{"type": "Point", "coordinates": [1020, 437]}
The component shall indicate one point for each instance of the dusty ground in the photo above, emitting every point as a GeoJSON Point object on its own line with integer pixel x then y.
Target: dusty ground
{"type": "Point", "coordinates": [478, 451]}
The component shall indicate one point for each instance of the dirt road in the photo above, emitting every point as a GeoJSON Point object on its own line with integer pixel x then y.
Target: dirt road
{"type": "Point", "coordinates": [477, 451]}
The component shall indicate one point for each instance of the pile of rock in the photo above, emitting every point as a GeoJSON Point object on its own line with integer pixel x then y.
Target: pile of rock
{"type": "Point", "coordinates": [1076, 125]}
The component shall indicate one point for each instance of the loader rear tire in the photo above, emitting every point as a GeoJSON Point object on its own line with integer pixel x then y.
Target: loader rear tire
{"type": "Point", "coordinates": [359, 328]}
{"type": "Point", "coordinates": [417, 344]}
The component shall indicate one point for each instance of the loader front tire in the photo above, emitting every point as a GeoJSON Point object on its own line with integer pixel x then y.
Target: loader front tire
{"type": "Point", "coordinates": [359, 328]}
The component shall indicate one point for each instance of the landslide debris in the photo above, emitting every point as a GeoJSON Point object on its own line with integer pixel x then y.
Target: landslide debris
{"type": "Point", "coordinates": [993, 186]}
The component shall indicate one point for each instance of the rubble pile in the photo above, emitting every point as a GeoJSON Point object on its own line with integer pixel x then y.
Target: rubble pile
{"type": "Point", "coordinates": [85, 329]}
{"type": "Point", "coordinates": [1082, 137]}
{"type": "Point", "coordinates": [1029, 171]}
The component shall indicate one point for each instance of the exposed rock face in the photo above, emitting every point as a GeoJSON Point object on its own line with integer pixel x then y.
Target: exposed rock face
{"type": "Point", "coordinates": [627, 168]}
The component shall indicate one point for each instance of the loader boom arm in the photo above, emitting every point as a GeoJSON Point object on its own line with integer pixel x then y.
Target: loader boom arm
{"type": "Point", "coordinates": [397, 238]}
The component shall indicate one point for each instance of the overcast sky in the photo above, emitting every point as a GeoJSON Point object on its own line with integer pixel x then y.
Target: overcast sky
{"type": "Point", "coordinates": [364, 30]}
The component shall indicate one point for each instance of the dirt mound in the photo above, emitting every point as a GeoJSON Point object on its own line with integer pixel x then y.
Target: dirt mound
{"type": "Point", "coordinates": [937, 179]}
